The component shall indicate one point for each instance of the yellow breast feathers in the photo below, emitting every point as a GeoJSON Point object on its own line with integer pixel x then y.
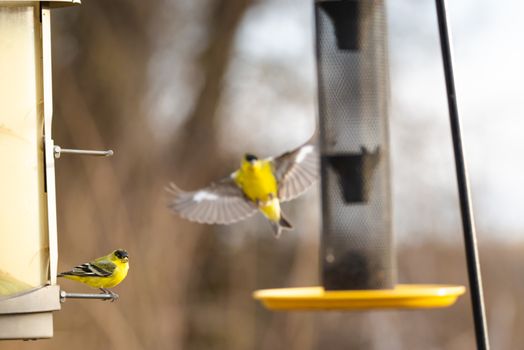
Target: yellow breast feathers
{"type": "Point", "coordinates": [256, 180]}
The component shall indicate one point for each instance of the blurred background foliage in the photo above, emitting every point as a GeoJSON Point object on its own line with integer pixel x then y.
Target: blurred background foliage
{"type": "Point", "coordinates": [180, 90]}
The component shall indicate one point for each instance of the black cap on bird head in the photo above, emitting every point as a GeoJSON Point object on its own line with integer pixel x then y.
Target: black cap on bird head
{"type": "Point", "coordinates": [121, 254]}
{"type": "Point", "coordinates": [250, 158]}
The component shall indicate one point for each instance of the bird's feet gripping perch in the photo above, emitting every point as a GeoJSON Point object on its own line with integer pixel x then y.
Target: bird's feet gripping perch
{"type": "Point", "coordinates": [114, 296]}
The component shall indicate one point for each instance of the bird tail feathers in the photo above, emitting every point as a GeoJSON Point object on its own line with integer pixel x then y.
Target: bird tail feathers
{"type": "Point", "coordinates": [282, 224]}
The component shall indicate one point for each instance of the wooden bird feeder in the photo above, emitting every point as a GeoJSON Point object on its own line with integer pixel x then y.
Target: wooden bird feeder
{"type": "Point", "coordinates": [28, 235]}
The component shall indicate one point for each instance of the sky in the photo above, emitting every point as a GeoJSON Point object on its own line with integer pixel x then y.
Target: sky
{"type": "Point", "coordinates": [488, 52]}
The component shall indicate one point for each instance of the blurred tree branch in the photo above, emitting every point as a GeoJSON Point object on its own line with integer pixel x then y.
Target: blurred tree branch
{"type": "Point", "coordinates": [199, 139]}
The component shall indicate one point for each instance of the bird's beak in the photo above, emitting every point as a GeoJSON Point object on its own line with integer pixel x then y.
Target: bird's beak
{"type": "Point", "coordinates": [126, 259]}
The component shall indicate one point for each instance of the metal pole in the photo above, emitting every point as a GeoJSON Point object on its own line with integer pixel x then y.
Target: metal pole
{"type": "Point", "coordinates": [468, 225]}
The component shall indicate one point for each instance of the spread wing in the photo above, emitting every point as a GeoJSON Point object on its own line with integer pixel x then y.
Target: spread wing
{"type": "Point", "coordinates": [222, 202]}
{"type": "Point", "coordinates": [296, 171]}
{"type": "Point", "coordinates": [102, 268]}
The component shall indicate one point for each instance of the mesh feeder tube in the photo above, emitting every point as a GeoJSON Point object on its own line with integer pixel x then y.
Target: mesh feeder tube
{"type": "Point", "coordinates": [357, 247]}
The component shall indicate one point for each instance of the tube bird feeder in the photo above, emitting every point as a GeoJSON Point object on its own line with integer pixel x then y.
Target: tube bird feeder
{"type": "Point", "coordinates": [358, 263]}
{"type": "Point", "coordinates": [28, 235]}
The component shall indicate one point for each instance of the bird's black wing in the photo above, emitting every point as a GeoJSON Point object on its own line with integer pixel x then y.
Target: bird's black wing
{"type": "Point", "coordinates": [103, 268]}
{"type": "Point", "coordinates": [296, 171]}
{"type": "Point", "coordinates": [222, 202]}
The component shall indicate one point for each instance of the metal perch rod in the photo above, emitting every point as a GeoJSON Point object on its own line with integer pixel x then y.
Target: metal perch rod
{"type": "Point", "coordinates": [84, 152]}
{"type": "Point", "coordinates": [102, 296]}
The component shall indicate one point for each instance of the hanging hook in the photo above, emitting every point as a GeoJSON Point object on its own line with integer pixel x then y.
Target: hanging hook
{"type": "Point", "coordinates": [59, 150]}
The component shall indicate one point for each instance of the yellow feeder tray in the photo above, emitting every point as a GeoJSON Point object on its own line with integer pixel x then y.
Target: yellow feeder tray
{"type": "Point", "coordinates": [404, 296]}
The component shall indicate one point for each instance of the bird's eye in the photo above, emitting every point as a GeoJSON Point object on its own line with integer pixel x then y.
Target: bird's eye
{"type": "Point", "coordinates": [250, 157]}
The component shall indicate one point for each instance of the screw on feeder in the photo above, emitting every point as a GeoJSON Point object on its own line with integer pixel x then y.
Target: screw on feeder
{"type": "Point", "coordinates": [59, 150]}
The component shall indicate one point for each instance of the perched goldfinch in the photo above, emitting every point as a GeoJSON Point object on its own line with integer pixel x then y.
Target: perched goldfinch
{"type": "Point", "coordinates": [257, 185]}
{"type": "Point", "coordinates": [105, 272]}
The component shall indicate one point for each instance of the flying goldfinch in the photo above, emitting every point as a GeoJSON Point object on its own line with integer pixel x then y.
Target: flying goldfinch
{"type": "Point", "coordinates": [105, 272]}
{"type": "Point", "coordinates": [259, 184]}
